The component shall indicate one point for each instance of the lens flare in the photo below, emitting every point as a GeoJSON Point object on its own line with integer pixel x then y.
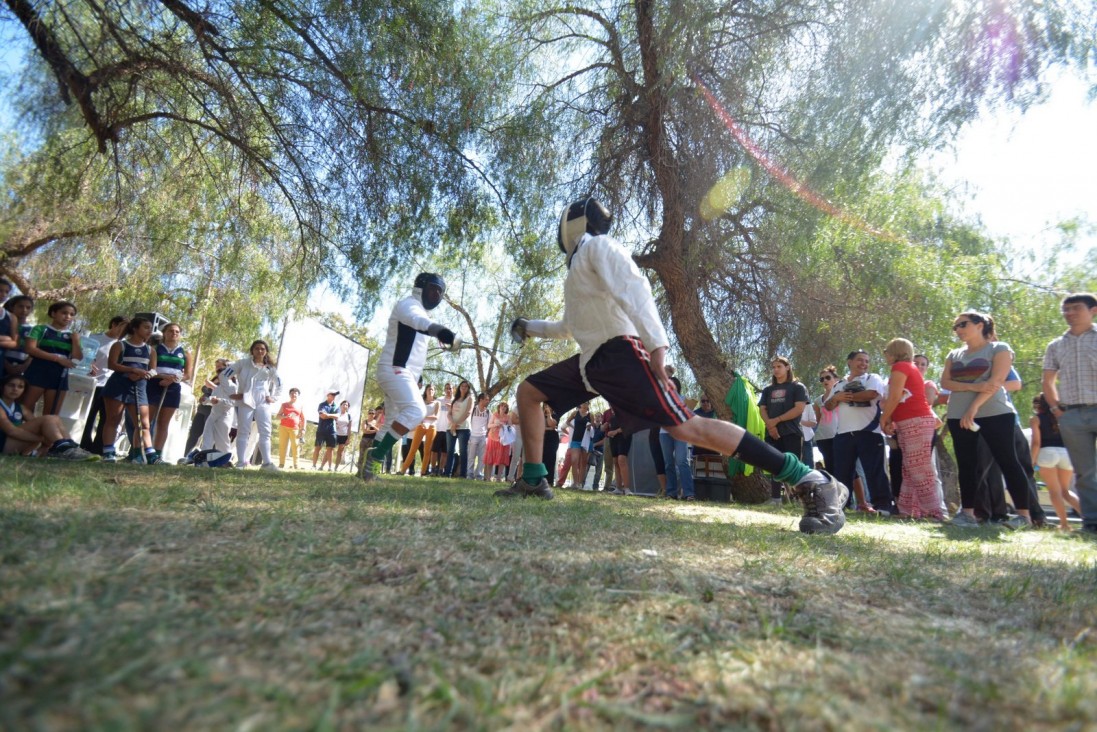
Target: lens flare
{"type": "Point", "coordinates": [725, 193]}
{"type": "Point", "coordinates": [786, 178]}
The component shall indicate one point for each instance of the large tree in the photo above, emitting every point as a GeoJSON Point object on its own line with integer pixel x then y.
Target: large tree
{"type": "Point", "coordinates": [741, 143]}
{"type": "Point", "coordinates": [354, 121]}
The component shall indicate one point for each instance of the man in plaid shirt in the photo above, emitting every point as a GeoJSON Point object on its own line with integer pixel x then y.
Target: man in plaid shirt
{"type": "Point", "coordinates": [1072, 358]}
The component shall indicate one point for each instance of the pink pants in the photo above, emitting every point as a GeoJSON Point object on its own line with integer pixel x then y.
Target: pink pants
{"type": "Point", "coordinates": [918, 497]}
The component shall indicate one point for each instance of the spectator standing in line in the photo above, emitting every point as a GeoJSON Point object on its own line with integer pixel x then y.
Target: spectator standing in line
{"type": "Point", "coordinates": [291, 428]}
{"type": "Point", "coordinates": [858, 438]}
{"type": "Point", "coordinates": [205, 407]}
{"type": "Point", "coordinates": [979, 408]}
{"type": "Point", "coordinates": [933, 397]}
{"type": "Point", "coordinates": [706, 410]}
{"type": "Point", "coordinates": [257, 389]}
{"type": "Point", "coordinates": [1050, 454]}
{"type": "Point", "coordinates": [1071, 359]}
{"type": "Point", "coordinates": [906, 413]}
{"type": "Point", "coordinates": [457, 443]}
{"type": "Point", "coordinates": [343, 422]}
{"type": "Point", "coordinates": [132, 362]}
{"type": "Point", "coordinates": [609, 461]}
{"type": "Point", "coordinates": [827, 426]}
{"type": "Point", "coordinates": [622, 445]}
{"type": "Point", "coordinates": [679, 474]}
{"type": "Point", "coordinates": [516, 447]}
{"type": "Point", "coordinates": [368, 435]}
{"type": "Point", "coordinates": [478, 438]}
{"type": "Point", "coordinates": [9, 327]}
{"type": "Point", "coordinates": [16, 359]}
{"type": "Point", "coordinates": [497, 455]}
{"type": "Point", "coordinates": [808, 422]}
{"type": "Point", "coordinates": [564, 469]}
{"type": "Point", "coordinates": [326, 412]}
{"type": "Point", "coordinates": [423, 436]}
{"type": "Point", "coordinates": [597, 452]}
{"type": "Point", "coordinates": [54, 349]}
{"type": "Point", "coordinates": [92, 438]}
{"type": "Point", "coordinates": [782, 403]}
{"type": "Point", "coordinates": [173, 367]}
{"type": "Point", "coordinates": [550, 443]}
{"type": "Point", "coordinates": [439, 449]}
{"type": "Point", "coordinates": [576, 449]}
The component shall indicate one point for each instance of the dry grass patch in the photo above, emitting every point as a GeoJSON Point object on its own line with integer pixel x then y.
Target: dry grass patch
{"type": "Point", "coordinates": [135, 598]}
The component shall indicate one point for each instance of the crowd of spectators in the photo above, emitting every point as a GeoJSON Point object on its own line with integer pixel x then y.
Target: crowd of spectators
{"type": "Point", "coordinates": [847, 428]}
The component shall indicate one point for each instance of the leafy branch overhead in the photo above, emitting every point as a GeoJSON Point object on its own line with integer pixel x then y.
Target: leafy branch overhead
{"type": "Point", "coordinates": [756, 154]}
{"type": "Point", "coordinates": [353, 121]}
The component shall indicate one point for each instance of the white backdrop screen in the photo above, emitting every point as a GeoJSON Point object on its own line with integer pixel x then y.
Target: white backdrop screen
{"type": "Point", "coordinates": [315, 358]}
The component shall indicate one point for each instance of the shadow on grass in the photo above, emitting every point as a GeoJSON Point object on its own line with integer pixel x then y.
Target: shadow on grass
{"type": "Point", "coordinates": [297, 592]}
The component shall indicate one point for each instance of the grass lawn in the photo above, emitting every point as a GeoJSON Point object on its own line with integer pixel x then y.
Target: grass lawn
{"type": "Point", "coordinates": [190, 599]}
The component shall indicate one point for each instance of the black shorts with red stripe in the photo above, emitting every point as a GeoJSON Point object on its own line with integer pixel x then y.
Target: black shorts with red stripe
{"type": "Point", "coordinates": [620, 371]}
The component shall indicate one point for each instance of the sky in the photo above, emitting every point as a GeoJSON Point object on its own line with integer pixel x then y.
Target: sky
{"type": "Point", "coordinates": [1027, 172]}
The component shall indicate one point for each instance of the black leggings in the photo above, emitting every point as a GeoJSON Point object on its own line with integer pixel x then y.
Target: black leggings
{"type": "Point", "coordinates": [997, 432]}
{"type": "Point", "coordinates": [656, 448]}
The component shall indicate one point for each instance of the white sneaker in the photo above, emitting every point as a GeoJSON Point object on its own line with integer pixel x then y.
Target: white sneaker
{"type": "Point", "coordinates": [270, 467]}
{"type": "Point", "coordinates": [241, 466]}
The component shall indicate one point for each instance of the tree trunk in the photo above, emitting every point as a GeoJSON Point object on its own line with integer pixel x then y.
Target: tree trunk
{"type": "Point", "coordinates": [667, 257]}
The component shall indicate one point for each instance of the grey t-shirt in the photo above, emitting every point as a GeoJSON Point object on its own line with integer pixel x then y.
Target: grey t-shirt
{"type": "Point", "coordinates": [974, 367]}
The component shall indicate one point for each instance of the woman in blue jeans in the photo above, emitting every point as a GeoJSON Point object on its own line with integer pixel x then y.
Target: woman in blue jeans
{"type": "Point", "coordinates": [457, 438]}
{"type": "Point", "coordinates": [676, 457]}
{"type": "Point", "coordinates": [679, 473]}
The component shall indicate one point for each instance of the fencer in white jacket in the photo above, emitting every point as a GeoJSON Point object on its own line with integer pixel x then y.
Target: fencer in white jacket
{"type": "Point", "coordinates": [215, 435]}
{"type": "Point", "coordinates": [257, 390]}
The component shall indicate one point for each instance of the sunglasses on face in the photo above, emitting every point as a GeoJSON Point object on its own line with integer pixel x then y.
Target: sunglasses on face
{"type": "Point", "coordinates": [824, 379]}
{"type": "Point", "coordinates": [961, 324]}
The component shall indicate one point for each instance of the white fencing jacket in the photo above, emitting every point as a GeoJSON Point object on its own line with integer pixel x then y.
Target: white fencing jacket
{"type": "Point", "coordinates": [605, 296]}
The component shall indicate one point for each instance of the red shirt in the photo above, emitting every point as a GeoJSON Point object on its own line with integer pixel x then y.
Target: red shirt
{"type": "Point", "coordinates": [914, 402]}
{"type": "Point", "coordinates": [293, 416]}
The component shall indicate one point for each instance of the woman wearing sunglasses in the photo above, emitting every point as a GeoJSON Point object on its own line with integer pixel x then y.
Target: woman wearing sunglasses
{"type": "Point", "coordinates": [978, 407]}
{"type": "Point", "coordinates": [828, 418]}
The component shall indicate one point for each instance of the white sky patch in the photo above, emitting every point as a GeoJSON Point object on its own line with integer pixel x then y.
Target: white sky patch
{"type": "Point", "coordinates": [1027, 172]}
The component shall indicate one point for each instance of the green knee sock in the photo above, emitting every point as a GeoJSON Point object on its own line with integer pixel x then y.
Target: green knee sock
{"type": "Point", "coordinates": [794, 470]}
{"type": "Point", "coordinates": [382, 448]}
{"type": "Point", "coordinates": [533, 472]}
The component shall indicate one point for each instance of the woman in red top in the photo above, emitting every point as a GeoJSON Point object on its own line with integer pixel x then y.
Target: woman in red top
{"type": "Point", "coordinates": [906, 413]}
{"type": "Point", "coordinates": [290, 428]}
{"type": "Point", "coordinates": [497, 455]}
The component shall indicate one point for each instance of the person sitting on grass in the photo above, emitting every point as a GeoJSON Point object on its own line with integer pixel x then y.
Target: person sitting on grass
{"type": "Point", "coordinates": [22, 435]}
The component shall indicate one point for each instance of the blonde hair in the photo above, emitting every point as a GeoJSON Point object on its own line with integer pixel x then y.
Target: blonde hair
{"type": "Point", "coordinates": [900, 349]}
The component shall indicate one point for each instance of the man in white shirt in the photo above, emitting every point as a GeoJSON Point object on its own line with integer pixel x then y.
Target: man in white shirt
{"type": "Point", "coordinates": [610, 312]}
{"type": "Point", "coordinates": [92, 440]}
{"type": "Point", "coordinates": [857, 399]}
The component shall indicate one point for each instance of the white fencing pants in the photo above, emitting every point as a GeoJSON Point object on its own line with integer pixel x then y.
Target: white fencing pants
{"type": "Point", "coordinates": [261, 413]}
{"type": "Point", "coordinates": [403, 400]}
{"type": "Point", "coordinates": [215, 435]}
